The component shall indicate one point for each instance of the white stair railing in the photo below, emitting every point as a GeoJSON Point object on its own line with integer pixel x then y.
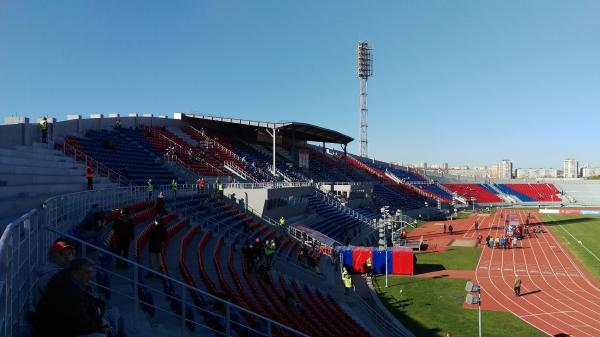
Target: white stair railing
{"type": "Point", "coordinates": [217, 144]}
{"type": "Point", "coordinates": [231, 166]}
{"type": "Point", "coordinates": [343, 208]}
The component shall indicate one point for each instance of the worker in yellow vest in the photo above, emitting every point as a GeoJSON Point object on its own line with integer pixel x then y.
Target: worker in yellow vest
{"type": "Point", "coordinates": [220, 189]}
{"type": "Point", "coordinates": [44, 129]}
{"type": "Point", "coordinates": [281, 221]}
{"type": "Point", "coordinates": [369, 264]}
{"type": "Point", "coordinates": [347, 283]}
{"type": "Point", "coordinates": [174, 188]}
{"type": "Point", "coordinates": [149, 188]}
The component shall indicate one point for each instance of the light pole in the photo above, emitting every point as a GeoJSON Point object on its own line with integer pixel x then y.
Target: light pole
{"type": "Point", "coordinates": [385, 215]}
{"type": "Point", "coordinates": [472, 299]}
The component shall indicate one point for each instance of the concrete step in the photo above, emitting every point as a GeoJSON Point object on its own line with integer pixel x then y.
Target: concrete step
{"type": "Point", "coordinates": [75, 169]}
{"type": "Point", "coordinates": [34, 162]}
{"type": "Point", "coordinates": [182, 135]}
{"type": "Point", "coordinates": [37, 147]}
{"type": "Point", "coordinates": [41, 155]}
{"type": "Point", "coordinates": [42, 179]}
{"type": "Point", "coordinates": [27, 191]}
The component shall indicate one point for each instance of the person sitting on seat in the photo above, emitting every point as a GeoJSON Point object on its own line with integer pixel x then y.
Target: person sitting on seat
{"type": "Point", "coordinates": [59, 256]}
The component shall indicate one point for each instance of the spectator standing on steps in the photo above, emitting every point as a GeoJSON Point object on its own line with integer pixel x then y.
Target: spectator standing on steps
{"type": "Point", "coordinates": [90, 227]}
{"type": "Point", "coordinates": [160, 204]}
{"type": "Point", "coordinates": [200, 184]}
{"type": "Point", "coordinates": [156, 237]}
{"type": "Point", "coordinates": [89, 174]}
{"type": "Point", "coordinates": [123, 228]}
{"type": "Point", "coordinates": [248, 252]}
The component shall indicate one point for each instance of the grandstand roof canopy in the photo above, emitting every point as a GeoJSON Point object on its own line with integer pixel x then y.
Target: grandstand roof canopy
{"type": "Point", "coordinates": [301, 131]}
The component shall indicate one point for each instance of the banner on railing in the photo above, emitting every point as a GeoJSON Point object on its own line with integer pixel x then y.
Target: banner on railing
{"type": "Point", "coordinates": [570, 211]}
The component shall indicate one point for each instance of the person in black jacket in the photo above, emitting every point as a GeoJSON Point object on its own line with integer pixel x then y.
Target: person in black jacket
{"type": "Point", "coordinates": [160, 204]}
{"type": "Point", "coordinates": [67, 308]}
{"type": "Point", "coordinates": [156, 237]}
{"type": "Point", "coordinates": [123, 228]}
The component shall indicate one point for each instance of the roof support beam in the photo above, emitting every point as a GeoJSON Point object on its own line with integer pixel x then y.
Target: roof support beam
{"type": "Point", "coordinates": [274, 135]}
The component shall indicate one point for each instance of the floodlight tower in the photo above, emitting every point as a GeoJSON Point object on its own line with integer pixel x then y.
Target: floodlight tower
{"type": "Point", "coordinates": [364, 70]}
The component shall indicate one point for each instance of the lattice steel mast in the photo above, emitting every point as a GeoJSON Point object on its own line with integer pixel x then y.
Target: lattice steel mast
{"type": "Point", "coordinates": [364, 70]}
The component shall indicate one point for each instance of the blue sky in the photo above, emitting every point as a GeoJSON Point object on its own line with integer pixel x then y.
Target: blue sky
{"type": "Point", "coordinates": [463, 82]}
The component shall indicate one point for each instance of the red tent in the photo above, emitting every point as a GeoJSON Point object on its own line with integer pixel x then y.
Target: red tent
{"type": "Point", "coordinates": [402, 261]}
{"type": "Point", "coordinates": [359, 258]}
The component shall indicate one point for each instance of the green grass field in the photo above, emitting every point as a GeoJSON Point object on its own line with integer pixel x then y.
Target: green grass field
{"type": "Point", "coordinates": [433, 306]}
{"type": "Point", "coordinates": [574, 228]}
{"type": "Point", "coordinates": [455, 258]}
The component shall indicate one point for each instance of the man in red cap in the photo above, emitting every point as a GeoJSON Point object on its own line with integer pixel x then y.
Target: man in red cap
{"type": "Point", "coordinates": [59, 256]}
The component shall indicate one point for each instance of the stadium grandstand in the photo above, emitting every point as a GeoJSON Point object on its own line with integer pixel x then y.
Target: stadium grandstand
{"type": "Point", "coordinates": [255, 217]}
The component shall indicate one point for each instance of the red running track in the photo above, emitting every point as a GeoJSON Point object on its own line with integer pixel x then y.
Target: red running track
{"type": "Point", "coordinates": [558, 296]}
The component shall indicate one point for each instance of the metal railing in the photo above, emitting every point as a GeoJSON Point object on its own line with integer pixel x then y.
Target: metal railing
{"type": "Point", "coordinates": [217, 144]}
{"type": "Point", "coordinates": [181, 152]}
{"type": "Point", "coordinates": [384, 324]}
{"type": "Point", "coordinates": [24, 244]}
{"type": "Point", "coordinates": [343, 208]}
{"type": "Point", "coordinates": [235, 168]}
{"type": "Point", "coordinates": [269, 184]}
{"type": "Point", "coordinates": [165, 137]}
{"type": "Point", "coordinates": [100, 168]}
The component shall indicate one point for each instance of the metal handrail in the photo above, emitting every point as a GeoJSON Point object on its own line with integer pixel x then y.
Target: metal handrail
{"type": "Point", "coordinates": [141, 268]}
{"type": "Point", "coordinates": [233, 166]}
{"type": "Point", "coordinates": [154, 132]}
{"type": "Point", "coordinates": [182, 151]}
{"type": "Point", "coordinates": [343, 208]}
{"type": "Point", "coordinates": [269, 184]}
{"type": "Point", "coordinates": [382, 323]}
{"type": "Point", "coordinates": [23, 248]}
{"type": "Point", "coordinates": [219, 146]}
{"type": "Point", "coordinates": [99, 166]}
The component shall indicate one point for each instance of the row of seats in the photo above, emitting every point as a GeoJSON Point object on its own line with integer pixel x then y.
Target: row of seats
{"type": "Point", "coordinates": [335, 224]}
{"type": "Point", "coordinates": [324, 167]}
{"type": "Point", "coordinates": [124, 148]}
{"type": "Point", "coordinates": [537, 192]}
{"type": "Point", "coordinates": [481, 193]}
{"type": "Point", "coordinates": [236, 283]}
{"type": "Point", "coordinates": [163, 138]}
{"type": "Point", "coordinates": [388, 195]}
{"type": "Point", "coordinates": [413, 193]}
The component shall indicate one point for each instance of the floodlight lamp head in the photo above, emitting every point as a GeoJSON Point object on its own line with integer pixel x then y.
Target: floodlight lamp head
{"type": "Point", "coordinates": [364, 68]}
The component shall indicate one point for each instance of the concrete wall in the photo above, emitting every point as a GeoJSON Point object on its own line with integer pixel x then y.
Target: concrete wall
{"type": "Point", "coordinates": [12, 135]}
{"type": "Point", "coordinates": [22, 131]}
{"type": "Point", "coordinates": [256, 198]}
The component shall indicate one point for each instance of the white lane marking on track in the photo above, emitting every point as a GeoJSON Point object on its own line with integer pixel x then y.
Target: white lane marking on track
{"type": "Point", "coordinates": [578, 241]}
{"type": "Point", "coordinates": [549, 313]}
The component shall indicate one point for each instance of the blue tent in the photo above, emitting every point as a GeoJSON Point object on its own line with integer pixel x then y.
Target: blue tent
{"type": "Point", "coordinates": [346, 258]}
{"type": "Point", "coordinates": [379, 261]}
